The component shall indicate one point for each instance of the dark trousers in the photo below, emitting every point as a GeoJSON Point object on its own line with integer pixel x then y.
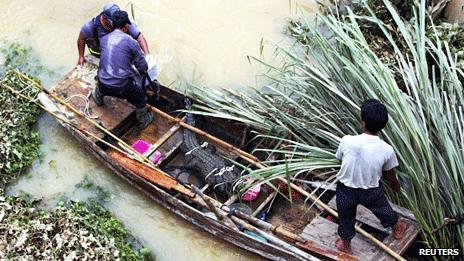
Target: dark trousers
{"type": "Point", "coordinates": [132, 93]}
{"type": "Point", "coordinates": [374, 199]}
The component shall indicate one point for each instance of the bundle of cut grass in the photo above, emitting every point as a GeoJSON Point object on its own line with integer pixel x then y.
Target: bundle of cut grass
{"type": "Point", "coordinates": [315, 95]}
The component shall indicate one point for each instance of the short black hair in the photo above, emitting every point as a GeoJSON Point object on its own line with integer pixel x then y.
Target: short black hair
{"type": "Point", "coordinates": [120, 18]}
{"type": "Point", "coordinates": [374, 114]}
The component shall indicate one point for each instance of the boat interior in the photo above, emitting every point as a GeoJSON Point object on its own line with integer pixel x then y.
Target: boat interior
{"type": "Point", "coordinates": [299, 216]}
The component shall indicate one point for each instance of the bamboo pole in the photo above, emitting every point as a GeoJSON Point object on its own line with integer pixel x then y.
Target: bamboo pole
{"type": "Point", "coordinates": [237, 218]}
{"type": "Point", "coordinates": [182, 189]}
{"type": "Point", "coordinates": [204, 134]}
{"type": "Point", "coordinates": [67, 105]}
{"type": "Point", "coordinates": [254, 160]}
{"type": "Point", "coordinates": [264, 203]}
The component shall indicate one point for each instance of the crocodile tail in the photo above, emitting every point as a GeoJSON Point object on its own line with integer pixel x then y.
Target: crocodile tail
{"type": "Point", "coordinates": [188, 105]}
{"type": "Point", "coordinates": [190, 139]}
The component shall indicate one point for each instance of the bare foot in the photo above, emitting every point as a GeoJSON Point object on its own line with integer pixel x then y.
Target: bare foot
{"type": "Point", "coordinates": [344, 245]}
{"type": "Point", "coordinates": [399, 229]}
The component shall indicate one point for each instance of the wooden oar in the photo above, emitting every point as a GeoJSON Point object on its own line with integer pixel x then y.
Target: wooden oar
{"type": "Point", "coordinates": [255, 161]}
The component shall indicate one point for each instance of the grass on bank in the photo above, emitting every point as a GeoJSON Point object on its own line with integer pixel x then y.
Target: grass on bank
{"type": "Point", "coordinates": [314, 98]}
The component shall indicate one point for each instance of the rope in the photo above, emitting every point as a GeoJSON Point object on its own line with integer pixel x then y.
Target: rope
{"type": "Point", "coordinates": [86, 110]}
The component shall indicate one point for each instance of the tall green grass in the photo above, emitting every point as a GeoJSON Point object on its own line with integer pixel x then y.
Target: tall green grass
{"type": "Point", "coordinates": [314, 96]}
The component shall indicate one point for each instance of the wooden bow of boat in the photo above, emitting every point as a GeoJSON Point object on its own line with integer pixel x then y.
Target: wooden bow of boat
{"type": "Point", "coordinates": [292, 231]}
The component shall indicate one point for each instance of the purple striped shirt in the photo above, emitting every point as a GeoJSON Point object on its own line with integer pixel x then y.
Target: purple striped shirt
{"type": "Point", "coordinates": [118, 52]}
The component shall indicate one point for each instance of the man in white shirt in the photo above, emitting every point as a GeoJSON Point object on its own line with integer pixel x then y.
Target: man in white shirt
{"type": "Point", "coordinates": [365, 159]}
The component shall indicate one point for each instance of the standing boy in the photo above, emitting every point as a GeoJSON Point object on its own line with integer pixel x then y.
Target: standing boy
{"type": "Point", "coordinates": [365, 158]}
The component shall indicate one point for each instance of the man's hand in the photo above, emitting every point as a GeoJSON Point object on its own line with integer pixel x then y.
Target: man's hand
{"type": "Point", "coordinates": [81, 48]}
{"type": "Point", "coordinates": [80, 61]}
{"type": "Point", "coordinates": [390, 176]}
{"type": "Point", "coordinates": [143, 44]}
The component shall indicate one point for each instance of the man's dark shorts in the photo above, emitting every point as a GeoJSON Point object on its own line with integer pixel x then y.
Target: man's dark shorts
{"type": "Point", "coordinates": [374, 199]}
{"type": "Point", "coordinates": [132, 93]}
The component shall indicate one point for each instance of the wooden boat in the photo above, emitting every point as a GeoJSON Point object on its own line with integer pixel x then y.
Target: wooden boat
{"type": "Point", "coordinates": [313, 225]}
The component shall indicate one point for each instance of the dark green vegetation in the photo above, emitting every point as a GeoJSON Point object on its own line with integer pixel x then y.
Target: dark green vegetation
{"type": "Point", "coordinates": [100, 221]}
{"type": "Point", "coordinates": [82, 230]}
{"type": "Point", "coordinates": [101, 195]}
{"type": "Point", "coordinates": [75, 230]}
{"type": "Point", "coordinates": [16, 56]}
{"type": "Point", "coordinates": [19, 141]}
{"type": "Point", "coordinates": [313, 100]}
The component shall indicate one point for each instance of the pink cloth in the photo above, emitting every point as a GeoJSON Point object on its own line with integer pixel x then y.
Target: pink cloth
{"type": "Point", "coordinates": [142, 146]}
{"type": "Point", "coordinates": [155, 157]}
{"type": "Point", "coordinates": [252, 193]}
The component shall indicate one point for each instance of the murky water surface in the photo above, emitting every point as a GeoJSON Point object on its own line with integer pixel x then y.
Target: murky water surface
{"type": "Point", "coordinates": [204, 41]}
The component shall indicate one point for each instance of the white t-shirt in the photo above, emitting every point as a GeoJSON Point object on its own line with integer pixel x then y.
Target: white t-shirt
{"type": "Point", "coordinates": [364, 157]}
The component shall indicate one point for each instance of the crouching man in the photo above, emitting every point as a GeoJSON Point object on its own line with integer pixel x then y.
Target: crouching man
{"type": "Point", "coordinates": [119, 54]}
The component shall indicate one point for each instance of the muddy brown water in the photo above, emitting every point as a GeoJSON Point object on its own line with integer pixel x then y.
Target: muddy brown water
{"type": "Point", "coordinates": [202, 41]}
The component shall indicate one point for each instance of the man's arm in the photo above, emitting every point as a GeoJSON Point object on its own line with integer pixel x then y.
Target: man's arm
{"type": "Point", "coordinates": [139, 58]}
{"type": "Point", "coordinates": [390, 176]}
{"type": "Point", "coordinates": [143, 44]}
{"type": "Point", "coordinates": [86, 32]}
{"type": "Point", "coordinates": [81, 48]}
{"type": "Point", "coordinates": [133, 31]}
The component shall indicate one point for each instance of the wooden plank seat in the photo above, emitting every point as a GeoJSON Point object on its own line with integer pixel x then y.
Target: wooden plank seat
{"type": "Point", "coordinates": [399, 246]}
{"type": "Point", "coordinates": [324, 232]}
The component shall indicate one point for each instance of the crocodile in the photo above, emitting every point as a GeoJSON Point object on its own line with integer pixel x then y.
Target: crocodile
{"type": "Point", "coordinates": [211, 166]}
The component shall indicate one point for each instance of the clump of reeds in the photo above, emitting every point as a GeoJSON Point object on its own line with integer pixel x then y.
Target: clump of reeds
{"type": "Point", "coordinates": [314, 98]}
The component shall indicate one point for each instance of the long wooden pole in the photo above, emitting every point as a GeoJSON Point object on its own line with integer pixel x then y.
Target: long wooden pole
{"type": "Point", "coordinates": [253, 160]}
{"type": "Point", "coordinates": [208, 136]}
{"type": "Point", "coordinates": [67, 105]}
{"type": "Point", "coordinates": [237, 218]}
{"type": "Point", "coordinates": [179, 188]}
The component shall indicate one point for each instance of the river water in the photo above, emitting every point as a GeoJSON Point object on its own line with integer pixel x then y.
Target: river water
{"type": "Point", "coordinates": [201, 41]}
